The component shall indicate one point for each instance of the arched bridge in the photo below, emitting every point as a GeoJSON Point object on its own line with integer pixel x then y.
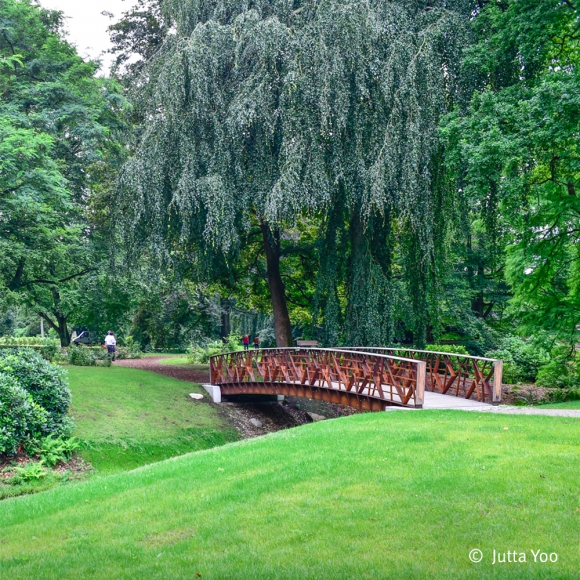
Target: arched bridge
{"type": "Point", "coordinates": [368, 378]}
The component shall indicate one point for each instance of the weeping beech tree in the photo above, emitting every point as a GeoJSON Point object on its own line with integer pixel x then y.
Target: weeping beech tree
{"type": "Point", "coordinates": [258, 114]}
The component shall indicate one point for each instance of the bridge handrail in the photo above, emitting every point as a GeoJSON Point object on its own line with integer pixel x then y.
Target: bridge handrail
{"type": "Point", "coordinates": [306, 348]}
{"type": "Point", "coordinates": [496, 364]}
{"type": "Point", "coordinates": [412, 385]}
{"type": "Point", "coordinates": [471, 356]}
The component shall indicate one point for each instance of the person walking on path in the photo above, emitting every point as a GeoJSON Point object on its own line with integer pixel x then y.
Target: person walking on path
{"type": "Point", "coordinates": [111, 343]}
{"type": "Point", "coordinates": [246, 341]}
{"type": "Point", "coordinates": [256, 342]}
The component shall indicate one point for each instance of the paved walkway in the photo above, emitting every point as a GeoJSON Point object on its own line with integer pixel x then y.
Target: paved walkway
{"type": "Point", "coordinates": [438, 401]}
{"type": "Point", "coordinates": [509, 410]}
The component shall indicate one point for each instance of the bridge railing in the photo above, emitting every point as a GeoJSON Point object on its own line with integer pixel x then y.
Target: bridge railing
{"type": "Point", "coordinates": [363, 379]}
{"type": "Point", "coordinates": [459, 375]}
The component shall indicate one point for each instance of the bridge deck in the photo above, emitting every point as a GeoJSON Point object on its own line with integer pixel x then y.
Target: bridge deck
{"type": "Point", "coordinates": [439, 401]}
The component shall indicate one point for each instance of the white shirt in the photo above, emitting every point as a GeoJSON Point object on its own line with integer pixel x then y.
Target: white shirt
{"type": "Point", "coordinates": [110, 340]}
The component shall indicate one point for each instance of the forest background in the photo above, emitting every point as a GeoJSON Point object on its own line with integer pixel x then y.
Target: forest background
{"type": "Point", "coordinates": [356, 173]}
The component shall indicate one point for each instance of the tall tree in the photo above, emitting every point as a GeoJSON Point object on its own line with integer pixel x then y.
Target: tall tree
{"type": "Point", "coordinates": [59, 126]}
{"type": "Point", "coordinates": [270, 114]}
{"type": "Point", "coordinates": [514, 151]}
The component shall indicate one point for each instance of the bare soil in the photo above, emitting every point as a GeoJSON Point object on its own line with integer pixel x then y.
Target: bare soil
{"type": "Point", "coordinates": [76, 466]}
{"type": "Point", "coordinates": [523, 394]}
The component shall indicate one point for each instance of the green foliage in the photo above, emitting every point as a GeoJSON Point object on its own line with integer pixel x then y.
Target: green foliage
{"type": "Point", "coordinates": [262, 117]}
{"type": "Point", "coordinates": [56, 450]}
{"type": "Point", "coordinates": [21, 419]}
{"type": "Point", "coordinates": [59, 146]}
{"type": "Point", "coordinates": [47, 347]}
{"type": "Point", "coordinates": [522, 359]}
{"type": "Point", "coordinates": [200, 354]}
{"type": "Point", "coordinates": [45, 382]}
{"type": "Point", "coordinates": [512, 148]}
{"type": "Point", "coordinates": [563, 369]}
{"type": "Point", "coordinates": [565, 394]}
{"type": "Point", "coordinates": [130, 350]}
{"type": "Point", "coordinates": [173, 314]}
{"type": "Point", "coordinates": [450, 348]}
{"type": "Point", "coordinates": [136, 37]}
{"type": "Point", "coordinates": [83, 356]}
{"type": "Point", "coordinates": [32, 471]}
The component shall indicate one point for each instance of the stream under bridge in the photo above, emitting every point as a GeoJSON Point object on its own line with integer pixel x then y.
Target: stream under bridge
{"type": "Point", "coordinates": [367, 378]}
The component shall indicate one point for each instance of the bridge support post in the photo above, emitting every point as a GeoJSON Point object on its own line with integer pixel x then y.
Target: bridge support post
{"type": "Point", "coordinates": [497, 377]}
{"type": "Point", "coordinates": [214, 391]}
{"type": "Point", "coordinates": [420, 386]}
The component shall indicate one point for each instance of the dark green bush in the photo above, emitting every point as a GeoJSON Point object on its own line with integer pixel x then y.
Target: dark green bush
{"type": "Point", "coordinates": [45, 382]}
{"type": "Point", "coordinates": [523, 359]}
{"type": "Point", "coordinates": [560, 372]}
{"type": "Point", "coordinates": [563, 394]}
{"type": "Point", "coordinates": [450, 348]}
{"type": "Point", "coordinates": [85, 356]}
{"type": "Point", "coordinates": [21, 419]}
{"type": "Point", "coordinates": [81, 356]}
{"type": "Point", "coordinates": [47, 347]}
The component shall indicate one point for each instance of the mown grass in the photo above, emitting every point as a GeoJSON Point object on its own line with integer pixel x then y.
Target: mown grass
{"type": "Point", "coordinates": [382, 495]}
{"type": "Point", "coordinates": [566, 405]}
{"type": "Point", "coordinates": [127, 417]}
{"type": "Point", "coordinates": [183, 362]}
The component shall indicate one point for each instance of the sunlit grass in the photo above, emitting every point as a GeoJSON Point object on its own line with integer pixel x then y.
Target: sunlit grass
{"type": "Point", "coordinates": [183, 362]}
{"type": "Point", "coordinates": [566, 405]}
{"type": "Point", "coordinates": [382, 495]}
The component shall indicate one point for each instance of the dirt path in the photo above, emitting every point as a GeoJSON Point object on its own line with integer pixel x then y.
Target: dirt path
{"type": "Point", "coordinates": [151, 363]}
{"type": "Point", "coordinates": [272, 416]}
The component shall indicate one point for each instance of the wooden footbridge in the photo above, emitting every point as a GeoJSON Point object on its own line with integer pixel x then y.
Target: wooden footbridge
{"type": "Point", "coordinates": [367, 378]}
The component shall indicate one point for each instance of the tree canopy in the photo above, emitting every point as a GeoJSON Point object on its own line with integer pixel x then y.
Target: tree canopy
{"type": "Point", "coordinates": [60, 126]}
{"type": "Point", "coordinates": [264, 115]}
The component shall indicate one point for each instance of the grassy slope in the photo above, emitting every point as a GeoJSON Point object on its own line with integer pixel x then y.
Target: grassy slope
{"type": "Point", "coordinates": [384, 495]}
{"type": "Point", "coordinates": [129, 417]}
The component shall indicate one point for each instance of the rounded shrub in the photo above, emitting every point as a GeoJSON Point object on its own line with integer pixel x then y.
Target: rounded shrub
{"type": "Point", "coordinates": [523, 359]}
{"type": "Point", "coordinates": [46, 383]}
{"type": "Point", "coordinates": [450, 348]}
{"type": "Point", "coordinates": [21, 419]}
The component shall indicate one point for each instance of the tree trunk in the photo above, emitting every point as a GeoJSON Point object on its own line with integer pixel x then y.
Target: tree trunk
{"type": "Point", "coordinates": [63, 332]}
{"type": "Point", "coordinates": [225, 329]}
{"type": "Point", "coordinates": [282, 326]}
{"type": "Point", "coordinates": [60, 326]}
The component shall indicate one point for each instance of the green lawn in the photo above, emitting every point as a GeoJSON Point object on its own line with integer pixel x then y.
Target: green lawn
{"type": "Point", "coordinates": [382, 495]}
{"type": "Point", "coordinates": [183, 362]}
{"type": "Point", "coordinates": [566, 405]}
{"type": "Point", "coordinates": [128, 417]}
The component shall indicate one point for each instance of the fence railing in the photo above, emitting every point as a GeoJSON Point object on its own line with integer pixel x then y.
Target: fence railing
{"type": "Point", "coordinates": [459, 375]}
{"type": "Point", "coordinates": [367, 380]}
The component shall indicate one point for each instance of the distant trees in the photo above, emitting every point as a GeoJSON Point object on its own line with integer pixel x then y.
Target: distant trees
{"type": "Point", "coordinates": [360, 173]}
{"type": "Point", "coordinates": [513, 150]}
{"type": "Point", "coordinates": [59, 149]}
